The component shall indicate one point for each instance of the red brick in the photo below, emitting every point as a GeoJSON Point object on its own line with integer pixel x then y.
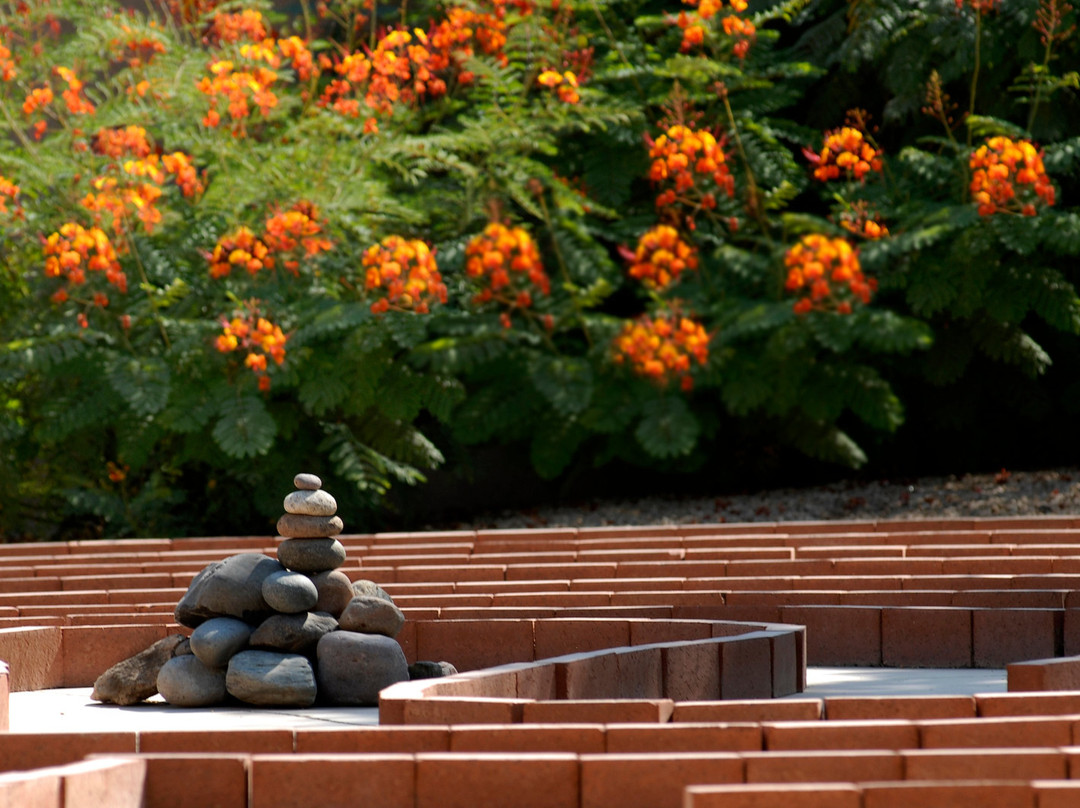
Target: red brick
{"type": "Point", "coordinates": [598, 711]}
{"type": "Point", "coordinates": [1056, 793]}
{"type": "Point", "coordinates": [118, 782]}
{"type": "Point", "coordinates": [883, 734]}
{"type": "Point", "coordinates": [29, 750]}
{"type": "Point", "coordinates": [252, 741]}
{"type": "Point", "coordinates": [536, 681]}
{"type": "Point", "coordinates": [1033, 704]}
{"type": "Point", "coordinates": [458, 710]}
{"type": "Point", "coordinates": [691, 670]}
{"type": "Point", "coordinates": [1071, 631]}
{"type": "Point", "coordinates": [1044, 674]}
{"type": "Point", "coordinates": [281, 781]}
{"type": "Point", "coordinates": [832, 795]}
{"type": "Point", "coordinates": [576, 738]}
{"type": "Point", "coordinates": [35, 789]}
{"type": "Point", "coordinates": [988, 764]}
{"type": "Point", "coordinates": [746, 667]}
{"type": "Point", "coordinates": [368, 740]}
{"type": "Point", "coordinates": [819, 766]}
{"type": "Point", "coordinates": [559, 637]}
{"type": "Point", "coordinates": [684, 737]}
{"type": "Point", "coordinates": [1014, 635]}
{"type": "Point", "coordinates": [788, 662]}
{"type": "Point", "coordinates": [34, 656]}
{"type": "Point", "coordinates": [91, 650]}
{"type": "Point", "coordinates": [536, 572]}
{"type": "Point", "coordinates": [537, 780]}
{"type": "Point", "coordinates": [640, 674]}
{"type": "Point", "coordinates": [5, 693]}
{"type": "Point", "coordinates": [996, 732]}
{"type": "Point", "coordinates": [181, 780]}
{"type": "Point", "coordinates": [652, 780]}
{"type": "Point", "coordinates": [984, 795]}
{"type": "Point", "coordinates": [472, 644]}
{"type": "Point", "coordinates": [838, 635]}
{"type": "Point", "coordinates": [1010, 599]}
{"type": "Point", "coordinates": [910, 708]}
{"type": "Point", "coordinates": [749, 710]}
{"type": "Point", "coordinates": [929, 638]}
{"type": "Point", "coordinates": [592, 675]}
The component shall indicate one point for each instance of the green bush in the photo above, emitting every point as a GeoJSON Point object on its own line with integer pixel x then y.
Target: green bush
{"type": "Point", "coordinates": [251, 240]}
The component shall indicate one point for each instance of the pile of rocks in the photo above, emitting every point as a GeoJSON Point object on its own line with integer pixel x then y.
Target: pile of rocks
{"type": "Point", "coordinates": [276, 632]}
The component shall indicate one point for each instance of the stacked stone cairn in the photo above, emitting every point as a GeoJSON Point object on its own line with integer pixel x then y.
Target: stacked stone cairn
{"type": "Point", "coordinates": [281, 632]}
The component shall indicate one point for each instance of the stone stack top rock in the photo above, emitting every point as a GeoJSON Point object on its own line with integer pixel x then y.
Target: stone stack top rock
{"type": "Point", "coordinates": [310, 512]}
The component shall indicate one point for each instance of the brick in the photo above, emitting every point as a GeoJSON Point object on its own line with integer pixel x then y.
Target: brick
{"type": "Point", "coordinates": [818, 766]}
{"type": "Point", "coordinates": [788, 662]}
{"type": "Point", "coordinates": [567, 636]}
{"type": "Point", "coordinates": [985, 795]}
{"type": "Point", "coordinates": [1034, 704]}
{"type": "Point", "coordinates": [988, 764]}
{"type": "Point", "coordinates": [1071, 631]}
{"type": "Point", "coordinates": [904, 707]}
{"type": "Point", "coordinates": [652, 780]}
{"type": "Point", "coordinates": [997, 732]}
{"type": "Point", "coordinates": [278, 781]}
{"type": "Point", "coordinates": [537, 780]}
{"type": "Point", "coordinates": [1056, 793]}
{"type": "Point", "coordinates": [458, 710]}
{"type": "Point", "coordinates": [35, 789]}
{"type": "Point", "coordinates": [639, 674]}
{"type": "Point", "coordinates": [112, 781]}
{"type": "Point", "coordinates": [1044, 674]}
{"type": "Point", "coordinates": [576, 738]}
{"type": "Point", "coordinates": [472, 644]}
{"type": "Point", "coordinates": [5, 693]}
{"type": "Point", "coordinates": [182, 780]}
{"type": "Point", "coordinates": [838, 635]}
{"type": "Point", "coordinates": [1002, 636]}
{"type": "Point", "coordinates": [746, 667]}
{"type": "Point", "coordinates": [252, 741]}
{"type": "Point", "coordinates": [34, 656]}
{"type": "Point", "coordinates": [691, 670]}
{"type": "Point", "coordinates": [749, 710]}
{"type": "Point", "coordinates": [598, 711]}
{"type": "Point", "coordinates": [930, 638]}
{"type": "Point", "coordinates": [787, 735]}
{"type": "Point", "coordinates": [591, 675]}
{"type": "Point", "coordinates": [29, 750]}
{"type": "Point", "coordinates": [378, 740]}
{"type": "Point", "coordinates": [536, 681]}
{"type": "Point", "coordinates": [684, 737]}
{"type": "Point", "coordinates": [832, 795]}
{"type": "Point", "coordinates": [91, 650]}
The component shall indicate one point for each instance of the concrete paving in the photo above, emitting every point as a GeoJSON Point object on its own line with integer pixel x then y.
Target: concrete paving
{"type": "Point", "coordinates": [72, 709]}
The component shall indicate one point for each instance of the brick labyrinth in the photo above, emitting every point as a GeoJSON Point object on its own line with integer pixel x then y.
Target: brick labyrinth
{"type": "Point", "coordinates": [625, 667]}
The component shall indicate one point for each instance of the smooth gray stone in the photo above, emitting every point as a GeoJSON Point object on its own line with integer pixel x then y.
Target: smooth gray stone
{"type": "Point", "coordinates": [372, 616]}
{"type": "Point", "coordinates": [269, 678]}
{"type": "Point", "coordinates": [215, 641]}
{"type": "Point", "coordinates": [310, 503]}
{"type": "Point", "coordinates": [228, 588]}
{"type": "Point", "coordinates": [335, 591]}
{"type": "Point", "coordinates": [353, 667]}
{"type": "Point", "coordinates": [425, 669]}
{"type": "Point", "coordinates": [307, 482]}
{"type": "Point", "coordinates": [298, 526]}
{"type": "Point", "coordinates": [289, 592]}
{"type": "Point", "coordinates": [135, 678]}
{"type": "Point", "coordinates": [311, 555]}
{"type": "Point", "coordinates": [370, 589]}
{"type": "Point", "coordinates": [184, 681]}
{"type": "Point", "coordinates": [297, 633]}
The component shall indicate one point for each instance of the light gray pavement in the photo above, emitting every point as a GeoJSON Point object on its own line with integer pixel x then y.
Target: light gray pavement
{"type": "Point", "coordinates": [72, 709]}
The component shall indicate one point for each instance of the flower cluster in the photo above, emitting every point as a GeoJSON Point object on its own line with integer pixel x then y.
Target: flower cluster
{"type": "Point", "coordinates": [978, 6]}
{"type": "Point", "coordinates": [7, 65]}
{"type": "Point", "coordinates": [122, 142]}
{"type": "Point", "coordinates": [827, 273]}
{"type": "Point", "coordinates": [564, 84]}
{"type": "Point", "coordinates": [296, 230]}
{"type": "Point", "coordinates": [861, 220]}
{"type": "Point", "coordinates": [76, 102]}
{"type": "Point", "coordinates": [661, 256]}
{"type": "Point", "coordinates": [404, 270]}
{"type": "Point", "coordinates": [258, 337]}
{"type": "Point", "coordinates": [662, 348]}
{"type": "Point", "coordinates": [245, 25]}
{"type": "Point", "coordinates": [684, 160]}
{"type": "Point", "coordinates": [694, 26]}
{"type": "Point", "coordinates": [1008, 176]}
{"type": "Point", "coordinates": [8, 192]}
{"type": "Point", "coordinates": [38, 98]}
{"type": "Point", "coordinates": [506, 262]}
{"type": "Point", "coordinates": [135, 50]}
{"type": "Point", "coordinates": [456, 38]}
{"type": "Point", "coordinates": [74, 250]}
{"type": "Point", "coordinates": [239, 248]}
{"type": "Point", "coordinates": [845, 151]}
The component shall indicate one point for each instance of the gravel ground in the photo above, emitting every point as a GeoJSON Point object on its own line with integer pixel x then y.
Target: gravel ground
{"type": "Point", "coordinates": [1026, 493]}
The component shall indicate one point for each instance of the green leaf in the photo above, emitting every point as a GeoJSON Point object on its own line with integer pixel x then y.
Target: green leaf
{"type": "Point", "coordinates": [983, 126]}
{"type": "Point", "coordinates": [667, 428]}
{"type": "Point", "coordinates": [553, 447]}
{"type": "Point", "coordinates": [143, 382]}
{"type": "Point", "coordinates": [565, 381]}
{"type": "Point", "coordinates": [246, 428]}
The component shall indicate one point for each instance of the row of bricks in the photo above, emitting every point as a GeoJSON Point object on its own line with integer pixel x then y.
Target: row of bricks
{"type": "Point", "coordinates": [557, 780]}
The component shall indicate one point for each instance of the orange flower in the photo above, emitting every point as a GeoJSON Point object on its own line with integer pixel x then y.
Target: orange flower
{"type": "Point", "coordinates": [1008, 176]}
{"type": "Point", "coordinates": [7, 65]}
{"type": "Point", "coordinates": [846, 151]}
{"type": "Point", "coordinates": [243, 25]}
{"type": "Point", "coordinates": [296, 230]}
{"type": "Point", "coordinates": [405, 271]}
{"type": "Point", "coordinates": [9, 190]}
{"type": "Point", "coordinates": [661, 256]}
{"type": "Point", "coordinates": [74, 250]}
{"type": "Point", "coordinates": [38, 97]}
{"type": "Point", "coordinates": [565, 84]}
{"type": "Point", "coordinates": [684, 160]}
{"type": "Point", "coordinates": [506, 263]}
{"type": "Point", "coordinates": [121, 142]}
{"type": "Point", "coordinates": [240, 248]}
{"type": "Point", "coordinates": [827, 274]}
{"type": "Point", "coordinates": [978, 6]}
{"type": "Point", "coordinates": [662, 348]}
{"type": "Point", "coordinates": [77, 103]}
{"type": "Point", "coordinates": [256, 335]}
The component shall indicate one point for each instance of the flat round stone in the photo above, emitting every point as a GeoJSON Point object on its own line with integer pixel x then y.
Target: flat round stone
{"type": "Point", "coordinates": [311, 555]}
{"type": "Point", "coordinates": [219, 638]}
{"type": "Point", "coordinates": [289, 592]}
{"type": "Point", "coordinates": [307, 482]}
{"type": "Point", "coordinates": [184, 681]}
{"type": "Point", "coordinates": [311, 503]}
{"type": "Point", "coordinates": [296, 526]}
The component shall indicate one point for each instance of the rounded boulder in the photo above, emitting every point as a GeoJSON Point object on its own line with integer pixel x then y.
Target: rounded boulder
{"type": "Point", "coordinates": [372, 616]}
{"type": "Point", "coordinates": [311, 555]}
{"type": "Point", "coordinates": [266, 678]}
{"type": "Point", "coordinates": [184, 681]}
{"type": "Point", "coordinates": [354, 667]}
{"type": "Point", "coordinates": [228, 588]}
{"type": "Point", "coordinates": [289, 592]}
{"type": "Point", "coordinates": [215, 641]}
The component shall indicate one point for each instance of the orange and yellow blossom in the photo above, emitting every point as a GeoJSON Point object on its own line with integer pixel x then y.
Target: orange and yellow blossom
{"type": "Point", "coordinates": [683, 161]}
{"type": "Point", "coordinates": [242, 25]}
{"type": "Point", "coordinates": [240, 248]}
{"type": "Point", "coordinates": [827, 275]}
{"type": "Point", "coordinates": [74, 250]}
{"type": "Point", "coordinates": [662, 348]}
{"type": "Point", "coordinates": [8, 191]}
{"type": "Point", "coordinates": [506, 263]}
{"type": "Point", "coordinates": [7, 65]}
{"type": "Point", "coordinates": [846, 151]}
{"type": "Point", "coordinates": [565, 84]}
{"type": "Point", "coordinates": [122, 141]}
{"type": "Point", "coordinates": [661, 257]}
{"type": "Point", "coordinates": [256, 335]}
{"type": "Point", "coordinates": [1008, 176]}
{"type": "Point", "coordinates": [298, 227]}
{"type": "Point", "coordinates": [979, 6]}
{"type": "Point", "coordinates": [404, 270]}
{"type": "Point", "coordinates": [77, 103]}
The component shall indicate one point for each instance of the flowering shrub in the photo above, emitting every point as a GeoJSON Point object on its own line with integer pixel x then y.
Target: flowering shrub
{"type": "Point", "coordinates": [243, 238]}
